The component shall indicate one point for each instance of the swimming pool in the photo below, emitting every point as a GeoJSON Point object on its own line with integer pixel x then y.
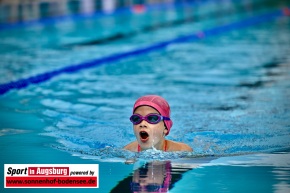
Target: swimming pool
{"type": "Point", "coordinates": [228, 88]}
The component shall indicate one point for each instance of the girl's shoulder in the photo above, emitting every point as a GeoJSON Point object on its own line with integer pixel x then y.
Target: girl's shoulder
{"type": "Point", "coordinates": [177, 146]}
{"type": "Point", "coordinates": [133, 146]}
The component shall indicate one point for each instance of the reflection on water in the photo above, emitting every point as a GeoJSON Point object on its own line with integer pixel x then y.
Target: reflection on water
{"type": "Point", "coordinates": [152, 177]}
{"type": "Point", "coordinates": [249, 173]}
{"type": "Point", "coordinates": [156, 176]}
{"type": "Point", "coordinates": [17, 10]}
{"type": "Point", "coordinates": [282, 175]}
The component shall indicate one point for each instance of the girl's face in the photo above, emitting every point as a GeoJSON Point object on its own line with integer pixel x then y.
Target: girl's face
{"type": "Point", "coordinates": [149, 135]}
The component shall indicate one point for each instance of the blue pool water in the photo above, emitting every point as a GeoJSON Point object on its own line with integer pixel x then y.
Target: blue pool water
{"type": "Point", "coordinates": [228, 91]}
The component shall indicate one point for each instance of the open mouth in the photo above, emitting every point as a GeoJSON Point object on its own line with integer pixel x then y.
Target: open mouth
{"type": "Point", "coordinates": [144, 136]}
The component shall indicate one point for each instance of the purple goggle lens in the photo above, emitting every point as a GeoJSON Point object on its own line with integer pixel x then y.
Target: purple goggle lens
{"type": "Point", "coordinates": [150, 118]}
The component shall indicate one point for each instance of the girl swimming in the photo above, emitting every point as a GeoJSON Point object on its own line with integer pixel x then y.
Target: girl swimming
{"type": "Point", "coordinates": [151, 123]}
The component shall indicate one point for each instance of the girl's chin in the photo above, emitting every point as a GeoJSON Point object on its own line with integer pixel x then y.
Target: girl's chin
{"type": "Point", "coordinates": [146, 145]}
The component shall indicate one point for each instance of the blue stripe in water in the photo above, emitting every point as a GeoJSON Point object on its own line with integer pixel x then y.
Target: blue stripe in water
{"type": "Point", "coordinates": [22, 83]}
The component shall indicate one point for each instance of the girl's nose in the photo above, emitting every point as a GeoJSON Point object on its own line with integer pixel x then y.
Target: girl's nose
{"type": "Point", "coordinates": [143, 124]}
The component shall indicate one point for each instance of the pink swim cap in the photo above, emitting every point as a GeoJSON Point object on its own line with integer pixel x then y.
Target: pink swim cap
{"type": "Point", "coordinates": [158, 103]}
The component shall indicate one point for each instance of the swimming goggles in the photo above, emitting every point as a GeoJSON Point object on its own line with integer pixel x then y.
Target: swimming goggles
{"type": "Point", "coordinates": [150, 118]}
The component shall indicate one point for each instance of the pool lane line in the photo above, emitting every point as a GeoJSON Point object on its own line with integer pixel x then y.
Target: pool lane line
{"type": "Point", "coordinates": [25, 82]}
{"type": "Point", "coordinates": [97, 14]}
